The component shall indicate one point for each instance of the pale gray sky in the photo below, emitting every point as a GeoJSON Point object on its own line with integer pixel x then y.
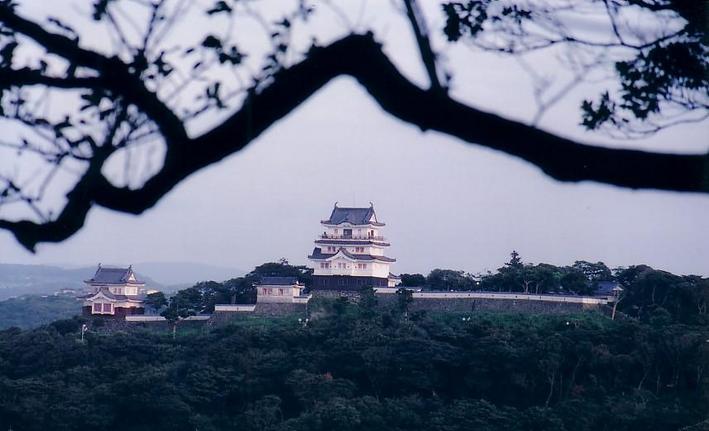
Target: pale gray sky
{"type": "Point", "coordinates": [446, 203]}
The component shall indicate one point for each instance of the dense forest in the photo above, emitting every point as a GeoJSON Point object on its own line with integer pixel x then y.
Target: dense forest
{"type": "Point", "coordinates": [30, 311]}
{"type": "Point", "coordinates": [362, 367]}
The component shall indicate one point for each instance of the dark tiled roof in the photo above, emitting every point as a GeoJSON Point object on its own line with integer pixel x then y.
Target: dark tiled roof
{"type": "Point", "coordinates": [355, 216]}
{"type": "Point", "coordinates": [113, 276]}
{"type": "Point", "coordinates": [349, 242]}
{"type": "Point", "coordinates": [318, 254]}
{"type": "Point", "coordinates": [280, 281]}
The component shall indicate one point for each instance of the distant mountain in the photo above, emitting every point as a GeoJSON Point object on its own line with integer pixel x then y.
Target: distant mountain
{"type": "Point", "coordinates": [17, 280]}
{"type": "Point", "coordinates": [185, 273]}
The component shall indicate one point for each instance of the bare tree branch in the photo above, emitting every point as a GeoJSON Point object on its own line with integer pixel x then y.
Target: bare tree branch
{"type": "Point", "coordinates": [116, 74]}
{"type": "Point", "coordinates": [428, 57]}
{"type": "Point", "coordinates": [361, 57]}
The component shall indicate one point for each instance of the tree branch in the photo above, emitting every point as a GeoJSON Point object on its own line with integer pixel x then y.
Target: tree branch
{"type": "Point", "coordinates": [26, 76]}
{"type": "Point", "coordinates": [115, 74]}
{"type": "Point", "coordinates": [418, 25]}
{"type": "Point", "coordinates": [361, 57]}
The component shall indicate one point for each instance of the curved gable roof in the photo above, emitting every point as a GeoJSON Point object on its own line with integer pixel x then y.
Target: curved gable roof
{"type": "Point", "coordinates": [109, 275]}
{"type": "Point", "coordinates": [354, 216]}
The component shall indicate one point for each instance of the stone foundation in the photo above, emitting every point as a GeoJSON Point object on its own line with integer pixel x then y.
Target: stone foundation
{"type": "Point", "coordinates": [278, 309]}
{"type": "Point", "coordinates": [334, 294]}
{"type": "Point", "coordinates": [473, 305]}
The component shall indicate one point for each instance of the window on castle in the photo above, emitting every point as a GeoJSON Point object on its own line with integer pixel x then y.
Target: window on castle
{"type": "Point", "coordinates": [281, 292]}
{"type": "Point", "coordinates": [97, 307]}
{"type": "Point", "coordinates": [107, 308]}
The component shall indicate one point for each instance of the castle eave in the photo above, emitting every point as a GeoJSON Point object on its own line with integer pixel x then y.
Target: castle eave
{"type": "Point", "coordinates": [336, 241]}
{"type": "Point", "coordinates": [352, 256]}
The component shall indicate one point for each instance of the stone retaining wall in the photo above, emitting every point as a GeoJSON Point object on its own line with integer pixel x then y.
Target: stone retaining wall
{"type": "Point", "coordinates": [473, 305]}
{"type": "Point", "coordinates": [459, 302]}
{"type": "Point", "coordinates": [278, 309]}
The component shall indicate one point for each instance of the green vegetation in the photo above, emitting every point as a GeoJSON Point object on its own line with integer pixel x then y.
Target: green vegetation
{"type": "Point", "coordinates": [357, 367]}
{"type": "Point", "coordinates": [368, 366]}
{"type": "Point", "coordinates": [202, 297]}
{"type": "Point", "coordinates": [647, 293]}
{"type": "Point", "coordinates": [30, 311]}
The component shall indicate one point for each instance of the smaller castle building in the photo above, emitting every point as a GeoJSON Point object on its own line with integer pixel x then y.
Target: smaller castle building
{"type": "Point", "coordinates": [280, 290]}
{"type": "Point", "coordinates": [114, 292]}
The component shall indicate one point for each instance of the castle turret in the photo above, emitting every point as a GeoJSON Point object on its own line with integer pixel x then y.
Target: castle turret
{"type": "Point", "coordinates": [350, 253]}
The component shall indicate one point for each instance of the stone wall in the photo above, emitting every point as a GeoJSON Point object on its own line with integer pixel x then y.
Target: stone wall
{"type": "Point", "coordinates": [469, 304]}
{"type": "Point", "coordinates": [473, 305]}
{"type": "Point", "coordinates": [264, 309]}
{"type": "Point", "coordinates": [334, 294]}
{"type": "Point", "coordinates": [278, 309]}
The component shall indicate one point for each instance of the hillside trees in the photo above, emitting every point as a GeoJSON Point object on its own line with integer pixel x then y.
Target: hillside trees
{"type": "Point", "coordinates": [203, 296]}
{"type": "Point", "coordinates": [362, 372]}
{"type": "Point", "coordinates": [651, 293]}
{"type": "Point", "coordinates": [156, 301]}
{"type": "Point", "coordinates": [147, 90]}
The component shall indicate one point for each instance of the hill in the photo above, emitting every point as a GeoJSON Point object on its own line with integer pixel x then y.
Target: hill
{"type": "Point", "coordinates": [30, 311]}
{"type": "Point", "coordinates": [357, 369]}
{"type": "Point", "coordinates": [17, 280]}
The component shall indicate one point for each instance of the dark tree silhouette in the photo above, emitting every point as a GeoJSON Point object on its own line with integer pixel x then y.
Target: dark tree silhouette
{"type": "Point", "coordinates": [123, 103]}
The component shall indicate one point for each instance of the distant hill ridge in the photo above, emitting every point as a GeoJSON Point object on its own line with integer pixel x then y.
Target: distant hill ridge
{"type": "Point", "coordinates": [20, 279]}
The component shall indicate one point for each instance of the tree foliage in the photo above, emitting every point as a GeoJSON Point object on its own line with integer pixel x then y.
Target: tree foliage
{"type": "Point", "coordinates": [658, 49]}
{"type": "Point", "coordinates": [203, 296]}
{"type": "Point", "coordinates": [358, 370]}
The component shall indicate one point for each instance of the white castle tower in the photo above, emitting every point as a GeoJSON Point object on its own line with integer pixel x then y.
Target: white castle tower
{"type": "Point", "coordinates": [350, 253]}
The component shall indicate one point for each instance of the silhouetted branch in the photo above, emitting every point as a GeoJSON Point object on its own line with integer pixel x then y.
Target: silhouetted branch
{"type": "Point", "coordinates": [116, 75]}
{"type": "Point", "coordinates": [361, 57]}
{"type": "Point", "coordinates": [428, 57]}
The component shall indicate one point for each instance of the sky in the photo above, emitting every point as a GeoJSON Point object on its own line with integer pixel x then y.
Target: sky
{"type": "Point", "coordinates": [446, 203]}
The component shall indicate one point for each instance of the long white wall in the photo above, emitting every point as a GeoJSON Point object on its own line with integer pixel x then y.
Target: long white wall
{"type": "Point", "coordinates": [496, 295]}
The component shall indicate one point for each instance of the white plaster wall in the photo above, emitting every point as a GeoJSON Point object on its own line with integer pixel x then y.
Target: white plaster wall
{"type": "Point", "coordinates": [374, 269]}
{"type": "Point", "coordinates": [357, 231]}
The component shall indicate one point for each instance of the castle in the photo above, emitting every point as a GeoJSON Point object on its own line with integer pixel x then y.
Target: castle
{"type": "Point", "coordinates": [114, 292]}
{"type": "Point", "coordinates": [350, 253]}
